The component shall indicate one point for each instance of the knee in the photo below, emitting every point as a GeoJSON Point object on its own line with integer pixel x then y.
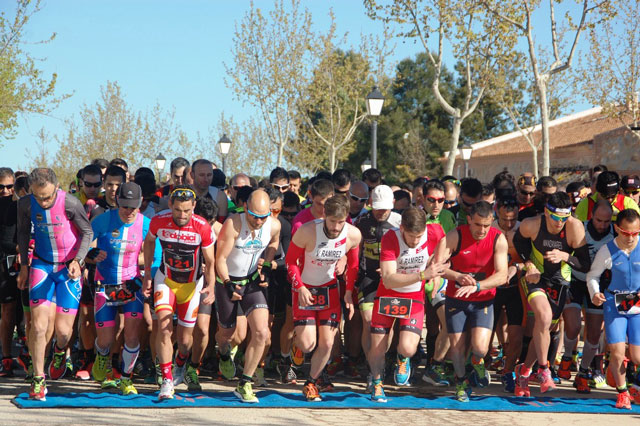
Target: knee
{"type": "Point", "coordinates": [262, 335]}
{"type": "Point", "coordinates": [306, 344]}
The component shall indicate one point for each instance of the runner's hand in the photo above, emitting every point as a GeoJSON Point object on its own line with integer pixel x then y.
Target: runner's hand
{"type": "Point", "coordinates": [465, 291]}
{"type": "Point", "coordinates": [598, 299]}
{"type": "Point", "coordinates": [23, 277]}
{"type": "Point", "coordinates": [435, 269]}
{"type": "Point", "coordinates": [146, 286]}
{"type": "Point", "coordinates": [74, 270]}
{"type": "Point", "coordinates": [348, 302]}
{"type": "Point", "coordinates": [533, 274]}
{"type": "Point", "coordinates": [556, 256]}
{"type": "Point", "coordinates": [466, 280]}
{"type": "Point", "coordinates": [236, 296]}
{"type": "Point", "coordinates": [210, 295]}
{"type": "Point", "coordinates": [305, 298]}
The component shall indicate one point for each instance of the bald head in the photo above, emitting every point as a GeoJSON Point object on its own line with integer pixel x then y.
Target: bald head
{"type": "Point", "coordinates": [240, 179]}
{"type": "Point", "coordinates": [450, 190]}
{"type": "Point", "coordinates": [259, 202]}
{"type": "Point", "coordinates": [359, 189]}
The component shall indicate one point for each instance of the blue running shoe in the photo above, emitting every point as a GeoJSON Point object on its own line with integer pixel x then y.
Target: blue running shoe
{"type": "Point", "coordinates": [377, 394]}
{"type": "Point", "coordinates": [402, 372]}
{"type": "Point", "coordinates": [509, 382]}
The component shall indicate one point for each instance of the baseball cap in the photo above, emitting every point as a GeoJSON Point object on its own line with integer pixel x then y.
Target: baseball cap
{"type": "Point", "coordinates": [129, 195]}
{"type": "Point", "coordinates": [630, 182]}
{"type": "Point", "coordinates": [608, 184]}
{"type": "Point", "coordinates": [382, 198]}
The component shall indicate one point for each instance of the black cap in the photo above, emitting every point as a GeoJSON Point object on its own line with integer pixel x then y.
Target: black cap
{"type": "Point", "coordinates": [608, 183]}
{"type": "Point", "coordinates": [630, 182]}
{"type": "Point", "coordinates": [129, 195]}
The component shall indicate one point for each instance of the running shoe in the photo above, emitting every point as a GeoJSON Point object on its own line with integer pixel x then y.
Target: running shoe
{"type": "Point", "coordinates": [310, 391]}
{"type": "Point", "coordinates": [258, 377]}
{"type": "Point", "coordinates": [245, 393]}
{"type": "Point", "coordinates": [509, 382]}
{"type": "Point", "coordinates": [6, 368]}
{"type": "Point", "coordinates": [402, 372]}
{"type": "Point", "coordinates": [178, 374]}
{"type": "Point", "coordinates": [297, 356]}
{"type": "Point", "coordinates": [324, 382]}
{"type": "Point", "coordinates": [166, 390]}
{"type": "Point", "coordinates": [377, 394]}
{"type": "Point", "coordinates": [126, 386]}
{"type": "Point", "coordinates": [463, 390]}
{"type": "Point", "coordinates": [597, 380]}
{"type": "Point", "coordinates": [100, 367]}
{"type": "Point", "coordinates": [480, 375]}
{"type": "Point", "coordinates": [192, 380]}
{"type": "Point", "coordinates": [634, 392]}
{"type": "Point", "coordinates": [58, 365]}
{"type": "Point", "coordinates": [564, 372]}
{"type": "Point", "coordinates": [554, 376]}
{"type": "Point", "coordinates": [24, 359]}
{"type": "Point", "coordinates": [287, 374]}
{"type": "Point", "coordinates": [84, 366]}
{"type": "Point", "coordinates": [369, 387]}
{"type": "Point", "coordinates": [335, 366]}
{"type": "Point", "coordinates": [624, 400]}
{"type": "Point", "coordinates": [546, 381]}
{"type": "Point", "coordinates": [227, 368]}
{"type": "Point", "coordinates": [111, 380]}
{"type": "Point", "coordinates": [38, 389]}
{"type": "Point", "coordinates": [581, 383]}
{"type": "Point", "coordinates": [434, 375]}
{"type": "Point", "coordinates": [522, 382]}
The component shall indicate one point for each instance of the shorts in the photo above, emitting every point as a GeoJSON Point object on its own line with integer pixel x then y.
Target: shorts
{"type": "Point", "coordinates": [511, 299]}
{"type": "Point", "coordinates": [579, 298]}
{"type": "Point", "coordinates": [367, 289]}
{"type": "Point", "coordinates": [204, 308]}
{"type": "Point", "coordinates": [171, 296]}
{"type": "Point", "coordinates": [620, 328]}
{"type": "Point", "coordinates": [45, 286]}
{"type": "Point", "coordinates": [440, 296]}
{"type": "Point", "coordinates": [330, 316]}
{"type": "Point", "coordinates": [381, 324]}
{"type": "Point", "coordinates": [105, 315]}
{"type": "Point", "coordinates": [254, 297]}
{"type": "Point", "coordinates": [462, 315]}
{"type": "Point", "coordinates": [556, 294]}
{"type": "Point", "coordinates": [8, 289]}
{"type": "Point", "coordinates": [278, 292]}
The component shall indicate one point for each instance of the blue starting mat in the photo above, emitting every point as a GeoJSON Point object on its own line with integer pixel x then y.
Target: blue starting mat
{"type": "Point", "coordinates": [333, 400]}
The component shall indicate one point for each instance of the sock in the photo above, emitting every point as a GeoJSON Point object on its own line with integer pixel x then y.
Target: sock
{"type": "Point", "coordinates": [589, 351]}
{"type": "Point", "coordinates": [430, 342]}
{"type": "Point", "coordinates": [401, 358]}
{"type": "Point", "coordinates": [244, 379]}
{"type": "Point", "coordinates": [598, 362]}
{"type": "Point", "coordinates": [476, 360]}
{"type": "Point", "coordinates": [99, 350]}
{"type": "Point", "coordinates": [569, 346]}
{"type": "Point", "coordinates": [458, 380]}
{"type": "Point", "coordinates": [181, 359]}
{"type": "Point", "coordinates": [311, 380]}
{"type": "Point", "coordinates": [166, 371]}
{"type": "Point", "coordinates": [56, 349]}
{"type": "Point", "coordinates": [195, 365]}
{"type": "Point", "coordinates": [285, 356]}
{"type": "Point", "coordinates": [622, 389]}
{"type": "Point", "coordinates": [553, 345]}
{"type": "Point", "coordinates": [129, 357]}
{"type": "Point", "coordinates": [377, 381]}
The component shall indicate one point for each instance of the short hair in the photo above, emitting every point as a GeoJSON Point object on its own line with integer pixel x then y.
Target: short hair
{"type": "Point", "coordinates": [294, 174]}
{"type": "Point", "coordinates": [117, 171]}
{"type": "Point", "coordinates": [432, 184]}
{"type": "Point", "coordinates": [341, 177]}
{"type": "Point", "coordinates": [488, 189]}
{"type": "Point", "coordinates": [372, 175]}
{"type": "Point", "coordinates": [337, 206]}
{"type": "Point", "coordinates": [291, 199]}
{"type": "Point", "coordinates": [177, 163]}
{"type": "Point", "coordinates": [6, 172]}
{"type": "Point", "coordinates": [242, 196]}
{"type": "Point", "coordinates": [601, 204]}
{"type": "Point", "coordinates": [264, 183]}
{"type": "Point", "coordinates": [559, 200]}
{"type": "Point", "coordinates": [503, 176]}
{"type": "Point", "coordinates": [274, 195]}
{"type": "Point", "coordinates": [140, 171]}
{"type": "Point", "coordinates": [41, 176]}
{"type": "Point", "coordinates": [414, 219]}
{"type": "Point", "coordinates": [174, 196]}
{"type": "Point", "coordinates": [574, 187]}
{"type": "Point", "coordinates": [22, 182]}
{"type": "Point", "coordinates": [219, 179]}
{"type": "Point", "coordinates": [599, 168]}
{"type": "Point", "coordinates": [100, 162]}
{"type": "Point", "coordinates": [508, 203]}
{"type": "Point", "coordinates": [505, 190]}
{"type": "Point", "coordinates": [206, 208]}
{"type": "Point", "coordinates": [278, 173]}
{"type": "Point", "coordinates": [253, 182]}
{"type": "Point", "coordinates": [481, 208]}
{"type": "Point", "coordinates": [419, 183]}
{"type": "Point", "coordinates": [322, 188]}
{"type": "Point", "coordinates": [627, 215]}
{"type": "Point", "coordinates": [119, 162]}
{"type": "Point", "coordinates": [401, 194]}
{"type": "Point", "coordinates": [200, 161]}
{"type": "Point", "coordinates": [146, 182]}
{"type": "Point", "coordinates": [91, 170]}
{"type": "Point", "coordinates": [471, 187]}
{"type": "Point", "coordinates": [546, 182]}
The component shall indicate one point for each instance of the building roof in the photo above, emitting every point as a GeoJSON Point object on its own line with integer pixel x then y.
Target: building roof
{"type": "Point", "coordinates": [571, 130]}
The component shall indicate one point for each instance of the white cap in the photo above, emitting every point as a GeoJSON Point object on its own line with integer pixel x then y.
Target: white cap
{"type": "Point", "coordinates": [382, 198]}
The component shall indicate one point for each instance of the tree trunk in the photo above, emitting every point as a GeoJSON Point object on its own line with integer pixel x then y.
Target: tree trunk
{"type": "Point", "coordinates": [534, 158]}
{"type": "Point", "coordinates": [541, 84]}
{"type": "Point", "coordinates": [453, 147]}
{"type": "Point", "coordinates": [332, 159]}
{"type": "Point", "coordinates": [280, 153]}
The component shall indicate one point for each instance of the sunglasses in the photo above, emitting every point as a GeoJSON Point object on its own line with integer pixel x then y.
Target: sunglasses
{"type": "Point", "coordinates": [527, 194]}
{"type": "Point", "coordinates": [276, 211]}
{"type": "Point", "coordinates": [289, 214]}
{"type": "Point", "coordinates": [337, 191]}
{"type": "Point", "coordinates": [629, 193]}
{"type": "Point", "coordinates": [455, 181]}
{"type": "Point", "coordinates": [358, 199]}
{"type": "Point", "coordinates": [47, 197]}
{"type": "Point", "coordinates": [238, 187]}
{"type": "Point", "coordinates": [435, 200]}
{"type": "Point", "coordinates": [185, 193]}
{"type": "Point", "coordinates": [467, 204]}
{"type": "Point", "coordinates": [558, 217]}
{"type": "Point", "coordinates": [281, 187]}
{"type": "Point", "coordinates": [3, 187]}
{"type": "Point", "coordinates": [627, 233]}
{"type": "Point", "coordinates": [258, 216]}
{"type": "Point", "coordinates": [93, 185]}
{"type": "Point", "coordinates": [450, 202]}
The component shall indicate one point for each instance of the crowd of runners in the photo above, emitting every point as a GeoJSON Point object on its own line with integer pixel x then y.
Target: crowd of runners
{"type": "Point", "coordinates": [116, 279]}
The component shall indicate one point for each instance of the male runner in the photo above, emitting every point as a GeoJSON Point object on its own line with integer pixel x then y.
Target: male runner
{"type": "Point", "coordinates": [311, 262]}
{"type": "Point", "coordinates": [433, 203]}
{"type": "Point", "coordinates": [62, 236]}
{"type": "Point", "coordinates": [202, 174]}
{"type": "Point", "coordinates": [470, 193]}
{"type": "Point", "coordinates": [358, 197]}
{"type": "Point", "coordinates": [182, 235]}
{"type": "Point", "coordinates": [478, 254]}
{"type": "Point", "coordinates": [114, 177]}
{"type": "Point", "coordinates": [607, 188]}
{"type": "Point", "coordinates": [550, 245]}
{"type": "Point", "coordinates": [404, 254]}
{"type": "Point", "coordinates": [621, 299]}
{"type": "Point", "coordinates": [8, 267]}
{"type": "Point", "coordinates": [243, 278]}
{"type": "Point", "coordinates": [119, 234]}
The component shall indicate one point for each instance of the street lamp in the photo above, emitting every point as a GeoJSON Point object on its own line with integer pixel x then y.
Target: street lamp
{"type": "Point", "coordinates": [467, 149]}
{"type": "Point", "coordinates": [375, 100]}
{"type": "Point", "coordinates": [225, 145]}
{"type": "Point", "coordinates": [160, 162]}
{"type": "Point", "coordinates": [366, 165]}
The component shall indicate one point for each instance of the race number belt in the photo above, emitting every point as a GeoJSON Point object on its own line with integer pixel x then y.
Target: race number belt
{"type": "Point", "coordinates": [319, 298]}
{"type": "Point", "coordinates": [179, 262]}
{"type": "Point", "coordinates": [116, 294]}
{"type": "Point", "coordinates": [554, 290]}
{"type": "Point", "coordinates": [627, 303]}
{"type": "Point", "coordinates": [396, 307]}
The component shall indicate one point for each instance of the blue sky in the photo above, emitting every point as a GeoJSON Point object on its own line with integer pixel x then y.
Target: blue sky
{"type": "Point", "coordinates": [171, 52]}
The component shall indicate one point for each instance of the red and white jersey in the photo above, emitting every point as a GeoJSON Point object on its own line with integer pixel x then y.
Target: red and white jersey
{"type": "Point", "coordinates": [181, 245]}
{"type": "Point", "coordinates": [410, 260]}
{"type": "Point", "coordinates": [320, 264]}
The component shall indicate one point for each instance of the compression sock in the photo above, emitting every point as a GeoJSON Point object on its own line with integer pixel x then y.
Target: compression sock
{"type": "Point", "coordinates": [166, 371]}
{"type": "Point", "coordinates": [129, 358]}
{"type": "Point", "coordinates": [244, 379]}
{"type": "Point", "coordinates": [181, 359]}
{"type": "Point", "coordinates": [554, 342]}
{"type": "Point", "coordinates": [101, 351]}
{"type": "Point", "coordinates": [569, 346]}
{"type": "Point", "coordinates": [589, 352]}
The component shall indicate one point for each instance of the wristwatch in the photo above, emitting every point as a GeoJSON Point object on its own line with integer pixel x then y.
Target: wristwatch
{"type": "Point", "coordinates": [80, 261]}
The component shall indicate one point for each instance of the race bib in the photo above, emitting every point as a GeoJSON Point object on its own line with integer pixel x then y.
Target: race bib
{"type": "Point", "coordinates": [396, 307]}
{"type": "Point", "coordinates": [179, 262]}
{"type": "Point", "coordinates": [117, 295]}
{"type": "Point", "coordinates": [628, 303]}
{"type": "Point", "coordinates": [320, 299]}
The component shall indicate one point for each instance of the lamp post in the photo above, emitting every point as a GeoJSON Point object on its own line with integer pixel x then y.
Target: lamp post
{"type": "Point", "coordinates": [225, 145]}
{"type": "Point", "coordinates": [375, 100]}
{"type": "Point", "coordinates": [366, 165]}
{"type": "Point", "coordinates": [467, 149]}
{"type": "Point", "coordinates": [160, 162]}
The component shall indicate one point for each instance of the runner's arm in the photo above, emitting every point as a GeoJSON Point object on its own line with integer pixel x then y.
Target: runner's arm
{"type": "Point", "coordinates": [353, 258]}
{"type": "Point", "coordinates": [75, 212]}
{"type": "Point", "coordinates": [272, 248]}
{"type": "Point", "coordinates": [500, 266]}
{"type": "Point", "coordinates": [209, 255]}
{"type": "Point", "coordinates": [601, 262]}
{"type": "Point", "coordinates": [148, 248]}
{"type": "Point", "coordinates": [24, 229]}
{"type": "Point", "coordinates": [221, 201]}
{"type": "Point", "coordinates": [294, 258]}
{"type": "Point", "coordinates": [522, 241]}
{"type": "Point", "coordinates": [226, 239]}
